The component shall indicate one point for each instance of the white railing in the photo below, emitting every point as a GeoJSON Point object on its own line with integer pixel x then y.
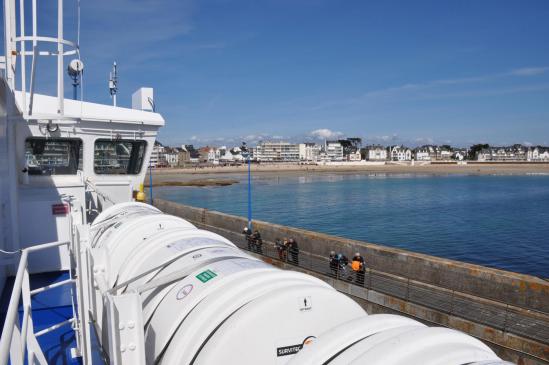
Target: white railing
{"type": "Point", "coordinates": [20, 338]}
{"type": "Point", "coordinates": [23, 45]}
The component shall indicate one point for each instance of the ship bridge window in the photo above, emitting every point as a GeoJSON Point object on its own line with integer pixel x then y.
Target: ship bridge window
{"type": "Point", "coordinates": [53, 156]}
{"type": "Point", "coordinates": [118, 157]}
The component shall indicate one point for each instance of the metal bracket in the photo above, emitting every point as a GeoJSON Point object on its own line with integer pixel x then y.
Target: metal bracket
{"type": "Point", "coordinates": [126, 335]}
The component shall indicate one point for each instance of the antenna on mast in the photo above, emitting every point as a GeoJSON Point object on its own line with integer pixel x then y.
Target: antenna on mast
{"type": "Point", "coordinates": [113, 83]}
{"type": "Point", "coordinates": [75, 69]}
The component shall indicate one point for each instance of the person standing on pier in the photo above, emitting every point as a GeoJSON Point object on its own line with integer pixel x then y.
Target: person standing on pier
{"type": "Point", "coordinates": [257, 242]}
{"type": "Point", "coordinates": [294, 251]}
{"type": "Point", "coordinates": [282, 248]}
{"type": "Point", "coordinates": [359, 267]}
{"type": "Point", "coordinates": [333, 263]}
{"type": "Point", "coordinates": [338, 264]}
{"type": "Point", "coordinates": [249, 238]}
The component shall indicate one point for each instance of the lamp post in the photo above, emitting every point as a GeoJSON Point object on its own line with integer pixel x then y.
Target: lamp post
{"type": "Point", "coordinates": [247, 155]}
{"type": "Point", "coordinates": [151, 180]}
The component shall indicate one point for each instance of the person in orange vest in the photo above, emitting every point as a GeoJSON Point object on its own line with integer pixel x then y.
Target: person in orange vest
{"type": "Point", "coordinates": [359, 267]}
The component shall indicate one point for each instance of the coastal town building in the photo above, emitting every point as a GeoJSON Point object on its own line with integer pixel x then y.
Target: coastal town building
{"type": "Point", "coordinates": [226, 158]}
{"type": "Point", "coordinates": [340, 151]}
{"type": "Point", "coordinates": [232, 156]}
{"type": "Point", "coordinates": [424, 153]}
{"type": "Point", "coordinates": [170, 156]}
{"type": "Point", "coordinates": [538, 153]}
{"type": "Point", "coordinates": [433, 153]}
{"type": "Point", "coordinates": [277, 151]}
{"type": "Point", "coordinates": [333, 150]}
{"type": "Point", "coordinates": [157, 156]}
{"type": "Point", "coordinates": [184, 157]}
{"type": "Point", "coordinates": [374, 153]}
{"type": "Point", "coordinates": [354, 156]}
{"type": "Point", "coordinates": [513, 153]}
{"type": "Point", "coordinates": [193, 154]}
{"type": "Point", "coordinates": [309, 152]}
{"type": "Point", "coordinates": [215, 154]}
{"type": "Point", "coordinates": [350, 146]}
{"type": "Point", "coordinates": [459, 154]}
{"type": "Point", "coordinates": [209, 155]}
{"type": "Point", "coordinates": [400, 153]}
{"type": "Point", "coordinates": [443, 153]}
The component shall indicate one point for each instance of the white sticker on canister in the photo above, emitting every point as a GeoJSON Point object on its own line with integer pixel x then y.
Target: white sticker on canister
{"type": "Point", "coordinates": [186, 243]}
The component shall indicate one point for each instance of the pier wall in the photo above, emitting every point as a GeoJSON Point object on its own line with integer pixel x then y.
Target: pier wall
{"type": "Point", "coordinates": [509, 311]}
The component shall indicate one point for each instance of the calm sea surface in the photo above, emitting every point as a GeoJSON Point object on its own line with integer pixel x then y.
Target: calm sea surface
{"type": "Point", "coordinates": [497, 221]}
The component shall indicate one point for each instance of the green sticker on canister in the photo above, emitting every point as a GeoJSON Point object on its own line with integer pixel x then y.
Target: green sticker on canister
{"type": "Point", "coordinates": [205, 276]}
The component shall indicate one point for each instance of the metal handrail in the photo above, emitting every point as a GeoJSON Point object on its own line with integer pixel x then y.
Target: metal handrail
{"type": "Point", "coordinates": [51, 286]}
{"type": "Point", "coordinates": [91, 186]}
{"type": "Point", "coordinates": [399, 286]}
{"type": "Point", "coordinates": [11, 320]}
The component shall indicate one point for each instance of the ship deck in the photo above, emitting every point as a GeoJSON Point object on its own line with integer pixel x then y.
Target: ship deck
{"type": "Point", "coordinates": [48, 308]}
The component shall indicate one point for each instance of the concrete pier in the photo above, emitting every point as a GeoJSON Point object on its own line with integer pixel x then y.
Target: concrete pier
{"type": "Point", "coordinates": [509, 311]}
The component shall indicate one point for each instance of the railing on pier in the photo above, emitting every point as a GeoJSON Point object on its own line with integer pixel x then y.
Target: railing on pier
{"type": "Point", "coordinates": [501, 316]}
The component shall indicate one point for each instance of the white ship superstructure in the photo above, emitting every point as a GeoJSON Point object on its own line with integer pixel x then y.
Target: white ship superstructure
{"type": "Point", "coordinates": [145, 287]}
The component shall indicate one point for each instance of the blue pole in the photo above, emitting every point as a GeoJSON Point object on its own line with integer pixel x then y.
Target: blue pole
{"type": "Point", "coordinates": [151, 181]}
{"type": "Point", "coordinates": [75, 87]}
{"type": "Point", "coordinates": [249, 195]}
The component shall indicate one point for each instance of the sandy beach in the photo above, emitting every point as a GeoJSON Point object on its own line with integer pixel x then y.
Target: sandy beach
{"type": "Point", "coordinates": [227, 175]}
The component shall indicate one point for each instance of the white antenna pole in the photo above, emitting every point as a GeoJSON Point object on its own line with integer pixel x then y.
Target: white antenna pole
{"type": "Point", "coordinates": [113, 83]}
{"type": "Point", "coordinates": [9, 25]}
{"type": "Point", "coordinates": [60, 91]}
{"type": "Point", "coordinates": [23, 58]}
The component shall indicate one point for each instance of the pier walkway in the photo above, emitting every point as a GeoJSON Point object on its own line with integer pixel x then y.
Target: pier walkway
{"type": "Point", "coordinates": [509, 311]}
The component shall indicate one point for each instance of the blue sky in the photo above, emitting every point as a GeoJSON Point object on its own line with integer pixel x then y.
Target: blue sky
{"type": "Point", "coordinates": [422, 71]}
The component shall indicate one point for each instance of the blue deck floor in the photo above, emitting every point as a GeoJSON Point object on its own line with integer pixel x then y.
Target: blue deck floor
{"type": "Point", "coordinates": [48, 308]}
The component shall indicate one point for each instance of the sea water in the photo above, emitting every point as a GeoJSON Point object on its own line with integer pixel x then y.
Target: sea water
{"type": "Point", "coordinates": [496, 221]}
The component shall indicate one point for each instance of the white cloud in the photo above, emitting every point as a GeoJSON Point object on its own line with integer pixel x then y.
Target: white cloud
{"type": "Point", "coordinates": [325, 133]}
{"type": "Point", "coordinates": [529, 71]}
{"type": "Point", "coordinates": [251, 137]}
{"type": "Point", "coordinates": [214, 45]}
{"type": "Point", "coordinates": [424, 140]}
{"type": "Point", "coordinates": [382, 139]}
{"type": "Point", "coordinates": [421, 89]}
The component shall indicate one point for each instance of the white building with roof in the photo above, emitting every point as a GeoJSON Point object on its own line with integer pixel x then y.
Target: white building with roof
{"type": "Point", "coordinates": [333, 150]}
{"type": "Point", "coordinates": [309, 152]}
{"type": "Point", "coordinates": [375, 153]}
{"type": "Point", "coordinates": [277, 151]}
{"type": "Point", "coordinates": [538, 153]}
{"type": "Point", "coordinates": [424, 153]}
{"type": "Point", "coordinates": [171, 156]}
{"type": "Point", "coordinates": [157, 156]}
{"type": "Point", "coordinates": [354, 156]}
{"type": "Point", "coordinates": [400, 153]}
{"type": "Point", "coordinates": [510, 153]}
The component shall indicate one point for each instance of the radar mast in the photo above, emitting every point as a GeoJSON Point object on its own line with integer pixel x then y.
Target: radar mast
{"type": "Point", "coordinates": [113, 83]}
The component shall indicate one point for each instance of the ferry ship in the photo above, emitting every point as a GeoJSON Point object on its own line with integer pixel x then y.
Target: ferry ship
{"type": "Point", "coordinates": [91, 274]}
